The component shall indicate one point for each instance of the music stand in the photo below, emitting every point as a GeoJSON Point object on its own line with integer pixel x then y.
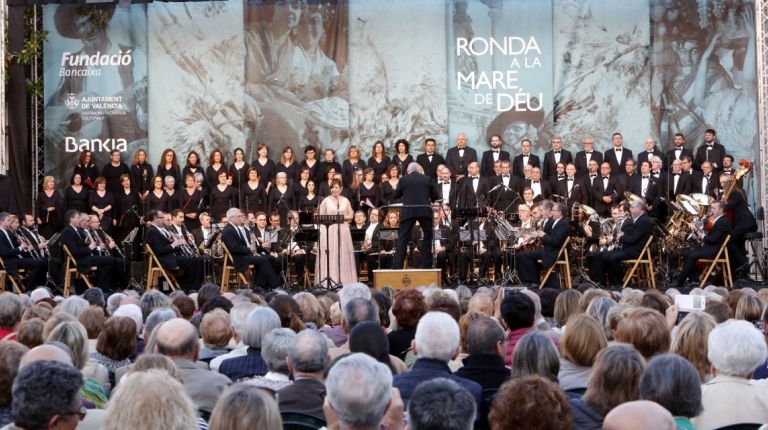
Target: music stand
{"type": "Point", "coordinates": [328, 221]}
{"type": "Point", "coordinates": [127, 243]}
{"type": "Point", "coordinates": [472, 214]}
{"type": "Point", "coordinates": [209, 272]}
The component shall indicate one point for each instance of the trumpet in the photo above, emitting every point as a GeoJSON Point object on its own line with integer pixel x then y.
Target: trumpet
{"type": "Point", "coordinates": [109, 239]}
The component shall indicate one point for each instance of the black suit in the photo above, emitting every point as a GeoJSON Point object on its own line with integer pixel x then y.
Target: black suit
{"type": "Point", "coordinates": [35, 267]}
{"type": "Point", "coordinates": [430, 167]}
{"type": "Point", "coordinates": [646, 156]}
{"type": "Point", "coordinates": [668, 189]}
{"type": "Point", "coordinates": [714, 155]}
{"type": "Point", "coordinates": [550, 164]}
{"type": "Point", "coordinates": [452, 193]}
{"type": "Point", "coordinates": [107, 265]}
{"type": "Point", "coordinates": [486, 166]}
{"type": "Point", "coordinates": [555, 234]}
{"type": "Point", "coordinates": [599, 190]}
{"type": "Point", "coordinates": [458, 164]}
{"type": "Point", "coordinates": [697, 183]}
{"type": "Point", "coordinates": [416, 192]}
{"type": "Point", "coordinates": [672, 155]}
{"type": "Point", "coordinates": [467, 196]}
{"type": "Point", "coordinates": [243, 257]}
{"type": "Point", "coordinates": [518, 164]}
{"type": "Point", "coordinates": [617, 165]}
{"type": "Point", "coordinates": [711, 243]}
{"type": "Point", "coordinates": [635, 235]}
{"type": "Point", "coordinates": [582, 166]}
{"type": "Point", "coordinates": [503, 198]}
{"type": "Point", "coordinates": [652, 192]}
{"type": "Point", "coordinates": [743, 222]}
{"type": "Point", "coordinates": [579, 191]}
{"type": "Point", "coordinates": [192, 276]}
{"type": "Point", "coordinates": [546, 190]}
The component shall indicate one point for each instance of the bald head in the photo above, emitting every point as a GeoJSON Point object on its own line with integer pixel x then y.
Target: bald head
{"type": "Point", "coordinates": [482, 303]}
{"type": "Point", "coordinates": [177, 338]}
{"type": "Point", "coordinates": [46, 352]}
{"type": "Point", "coordinates": [639, 415]}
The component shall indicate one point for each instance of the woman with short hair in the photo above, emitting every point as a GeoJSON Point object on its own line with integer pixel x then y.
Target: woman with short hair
{"type": "Point", "coordinates": [673, 382]}
{"type": "Point", "coordinates": [245, 407]}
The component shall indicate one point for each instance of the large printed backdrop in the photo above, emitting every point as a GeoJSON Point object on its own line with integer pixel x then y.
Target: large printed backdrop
{"type": "Point", "coordinates": [205, 75]}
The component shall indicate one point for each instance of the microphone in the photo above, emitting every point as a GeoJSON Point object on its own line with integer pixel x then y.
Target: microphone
{"type": "Point", "coordinates": [497, 187]}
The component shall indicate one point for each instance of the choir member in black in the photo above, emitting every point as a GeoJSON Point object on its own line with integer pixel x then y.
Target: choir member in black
{"type": "Point", "coordinates": [101, 203]}
{"type": "Point", "coordinates": [675, 182]}
{"type": "Point", "coordinates": [169, 165]}
{"type": "Point", "coordinates": [300, 186]}
{"type": "Point", "coordinates": [541, 188]}
{"type": "Point", "coordinates": [584, 157]}
{"type": "Point", "coordinates": [87, 170]}
{"type": "Point", "coordinates": [50, 207]}
{"type": "Point", "coordinates": [352, 164]}
{"type": "Point", "coordinates": [573, 187]}
{"type": "Point", "coordinates": [711, 150]}
{"type": "Point", "coordinates": [141, 174]}
{"type": "Point", "coordinates": [329, 160]}
{"type": "Point", "coordinates": [554, 157]}
{"type": "Point", "coordinates": [222, 196]}
{"type": "Point", "coordinates": [555, 232]}
{"type": "Point", "coordinates": [558, 176]}
{"type": "Point", "coordinates": [238, 241]}
{"type": "Point", "coordinates": [650, 151]}
{"type": "Point", "coordinates": [193, 167]}
{"type": "Point", "coordinates": [603, 190]}
{"type": "Point", "coordinates": [618, 155]}
{"type": "Point", "coordinates": [743, 222]}
{"type": "Point", "coordinates": [369, 191]}
{"type": "Point", "coordinates": [191, 199]}
{"type": "Point", "coordinates": [216, 165]}
{"type": "Point", "coordinates": [402, 158]}
{"type": "Point", "coordinates": [525, 158]}
{"type": "Point", "coordinates": [76, 195]}
{"type": "Point", "coordinates": [704, 181]}
{"type": "Point", "coordinates": [389, 186]}
{"type": "Point", "coordinates": [379, 161]}
{"type": "Point", "coordinates": [157, 200]}
{"type": "Point", "coordinates": [169, 252]}
{"type": "Point", "coordinates": [172, 192]}
{"type": "Point", "coordinates": [710, 242]}
{"type": "Point", "coordinates": [265, 166]}
{"type": "Point", "coordinates": [126, 209]}
{"type": "Point", "coordinates": [625, 176]}
{"type": "Point", "coordinates": [288, 164]}
{"type": "Point", "coordinates": [430, 159]}
{"type": "Point", "coordinates": [447, 187]}
{"type": "Point", "coordinates": [310, 201]}
{"type": "Point", "coordinates": [112, 171]}
{"type": "Point", "coordinates": [281, 197]}
{"type": "Point", "coordinates": [457, 159]}
{"type": "Point", "coordinates": [83, 250]}
{"type": "Point", "coordinates": [239, 169]}
{"type": "Point", "coordinates": [491, 156]}
{"type": "Point", "coordinates": [16, 255]}
{"type": "Point", "coordinates": [325, 186]}
{"type": "Point", "coordinates": [310, 161]}
{"type": "Point", "coordinates": [647, 187]}
{"type": "Point", "coordinates": [254, 197]}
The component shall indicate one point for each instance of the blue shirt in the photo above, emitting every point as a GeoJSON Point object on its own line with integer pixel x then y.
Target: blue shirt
{"type": "Point", "coordinates": [247, 366]}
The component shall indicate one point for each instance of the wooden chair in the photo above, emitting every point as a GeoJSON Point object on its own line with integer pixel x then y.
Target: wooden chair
{"type": "Point", "coordinates": [562, 264]}
{"type": "Point", "coordinates": [641, 266]}
{"type": "Point", "coordinates": [70, 269]}
{"type": "Point", "coordinates": [228, 268]}
{"type": "Point", "coordinates": [724, 260]}
{"type": "Point", "coordinates": [155, 271]}
{"type": "Point", "coordinates": [15, 281]}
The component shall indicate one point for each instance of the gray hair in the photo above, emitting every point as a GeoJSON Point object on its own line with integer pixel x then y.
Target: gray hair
{"type": "Point", "coordinates": [157, 316]}
{"type": "Point", "coordinates": [736, 348]}
{"type": "Point", "coordinates": [441, 404]}
{"type": "Point", "coordinates": [535, 354]}
{"type": "Point", "coordinates": [232, 212]}
{"type": "Point", "coordinates": [113, 302]}
{"type": "Point", "coordinates": [133, 312]}
{"type": "Point", "coordinates": [275, 348]}
{"type": "Point", "coordinates": [260, 321]}
{"type": "Point", "coordinates": [358, 311]}
{"type": "Point", "coordinates": [352, 291]}
{"type": "Point", "coordinates": [73, 305]}
{"type": "Point", "coordinates": [73, 335]}
{"type": "Point", "coordinates": [10, 310]}
{"type": "Point", "coordinates": [152, 300]}
{"type": "Point", "coordinates": [43, 389]}
{"type": "Point", "coordinates": [483, 334]}
{"type": "Point", "coordinates": [40, 293]}
{"type": "Point", "coordinates": [309, 351]}
{"type": "Point", "coordinates": [598, 308]}
{"type": "Point", "coordinates": [437, 336]}
{"type": "Point", "coordinates": [414, 167]}
{"type": "Point", "coordinates": [238, 315]}
{"type": "Point", "coordinates": [359, 390]}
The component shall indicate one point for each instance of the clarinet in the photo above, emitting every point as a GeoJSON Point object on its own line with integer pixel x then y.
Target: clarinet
{"type": "Point", "coordinates": [109, 239]}
{"type": "Point", "coordinates": [24, 241]}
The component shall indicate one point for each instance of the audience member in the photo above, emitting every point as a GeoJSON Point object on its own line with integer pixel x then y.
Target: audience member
{"type": "Point", "coordinates": [443, 404]}
{"type": "Point", "coordinates": [152, 300]}
{"type": "Point", "coordinates": [30, 332]}
{"type": "Point", "coordinates": [639, 415]}
{"type": "Point", "coordinates": [485, 362]}
{"type": "Point", "coordinates": [307, 360]}
{"type": "Point", "coordinates": [260, 321]}
{"type": "Point", "coordinates": [46, 396]}
{"type": "Point", "coordinates": [535, 354]}
{"type": "Point", "coordinates": [245, 407]}
{"type": "Point", "coordinates": [238, 316]}
{"type": "Point", "coordinates": [691, 342]}
{"type": "Point", "coordinates": [215, 330]}
{"type": "Point", "coordinates": [532, 402]}
{"type": "Point", "coordinates": [93, 320]}
{"type": "Point", "coordinates": [10, 315]}
{"type": "Point", "coordinates": [566, 305]}
{"type": "Point", "coordinates": [369, 338]}
{"type": "Point", "coordinates": [579, 346]}
{"type": "Point", "coordinates": [96, 377]}
{"type": "Point", "coordinates": [673, 382]}
{"type": "Point", "coordinates": [408, 308]}
{"type": "Point", "coordinates": [116, 343]}
{"type": "Point", "coordinates": [646, 329]}
{"type": "Point", "coordinates": [275, 348]}
{"type": "Point", "coordinates": [518, 314]}
{"type": "Point", "coordinates": [10, 357]}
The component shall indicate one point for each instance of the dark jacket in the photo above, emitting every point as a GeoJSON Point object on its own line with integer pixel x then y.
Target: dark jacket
{"type": "Point", "coordinates": [416, 189]}
{"type": "Point", "coordinates": [617, 165]}
{"type": "Point", "coordinates": [518, 167]}
{"type": "Point", "coordinates": [457, 164]}
{"type": "Point", "coordinates": [161, 246]}
{"type": "Point", "coordinates": [582, 168]}
{"type": "Point", "coordinates": [249, 365]}
{"type": "Point", "coordinates": [237, 247]}
{"type": "Point", "coordinates": [488, 370]}
{"type": "Point", "coordinates": [553, 239]}
{"type": "Point", "coordinates": [486, 166]}
{"type": "Point", "coordinates": [584, 417]}
{"type": "Point", "coordinates": [635, 235]}
{"type": "Point", "coordinates": [305, 395]}
{"type": "Point", "coordinates": [549, 167]}
{"type": "Point", "coordinates": [714, 238]}
{"type": "Point", "coordinates": [425, 369]}
{"type": "Point", "coordinates": [430, 167]}
{"type": "Point", "coordinates": [74, 239]}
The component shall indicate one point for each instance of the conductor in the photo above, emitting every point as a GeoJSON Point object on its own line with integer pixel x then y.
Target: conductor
{"type": "Point", "coordinates": [416, 193]}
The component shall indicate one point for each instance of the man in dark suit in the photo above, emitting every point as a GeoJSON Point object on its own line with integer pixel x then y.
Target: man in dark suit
{"type": "Point", "coordinates": [447, 188]}
{"type": "Point", "coordinates": [11, 251]}
{"type": "Point", "coordinates": [743, 222]}
{"type": "Point", "coordinates": [168, 250]}
{"type": "Point", "coordinates": [632, 239]}
{"type": "Point", "coordinates": [473, 189]}
{"type": "Point", "coordinates": [675, 182]}
{"type": "Point", "coordinates": [704, 181]}
{"type": "Point", "coordinates": [556, 230]}
{"type": "Point", "coordinates": [573, 188]}
{"type": "Point", "coordinates": [204, 232]}
{"type": "Point", "coordinates": [458, 158]}
{"type": "Point", "coordinates": [417, 193]}
{"type": "Point", "coordinates": [711, 150]}
{"type": "Point", "coordinates": [491, 156]}
{"type": "Point", "coordinates": [603, 191]}
{"type": "Point", "coordinates": [556, 155]}
{"type": "Point", "coordinates": [650, 151]}
{"type": "Point", "coordinates": [623, 178]}
{"type": "Point", "coordinates": [430, 159]}
{"type": "Point", "coordinates": [678, 152]}
{"type": "Point", "coordinates": [74, 237]}
{"type": "Point", "coordinates": [525, 157]}
{"type": "Point", "coordinates": [618, 155]}
{"type": "Point", "coordinates": [307, 358]}
{"type": "Point", "coordinates": [710, 243]}
{"type": "Point", "coordinates": [503, 196]}
{"type": "Point", "coordinates": [238, 242]}
{"type": "Point", "coordinates": [541, 188]}
{"type": "Point", "coordinates": [585, 156]}
{"type": "Point", "coordinates": [647, 187]}
{"type": "Point", "coordinates": [485, 362]}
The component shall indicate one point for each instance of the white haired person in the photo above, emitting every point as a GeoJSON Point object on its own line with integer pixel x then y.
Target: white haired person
{"type": "Point", "coordinates": [735, 349]}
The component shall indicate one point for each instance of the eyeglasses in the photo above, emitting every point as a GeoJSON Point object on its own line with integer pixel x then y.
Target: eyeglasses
{"type": "Point", "coordinates": [80, 413]}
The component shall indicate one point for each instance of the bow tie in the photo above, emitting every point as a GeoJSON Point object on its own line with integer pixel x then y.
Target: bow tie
{"type": "Point", "coordinates": [557, 152]}
{"type": "Point", "coordinates": [605, 177]}
{"type": "Point", "coordinates": [675, 174]}
{"type": "Point", "coordinates": [588, 152]}
{"type": "Point", "coordinates": [654, 173]}
{"type": "Point", "coordinates": [505, 176]}
{"type": "Point", "coordinates": [592, 176]}
{"type": "Point", "coordinates": [560, 176]}
{"type": "Point", "coordinates": [706, 176]}
{"type": "Point", "coordinates": [446, 183]}
{"type": "Point", "coordinates": [535, 182]}
{"type": "Point", "coordinates": [617, 149]}
{"type": "Point", "coordinates": [474, 178]}
{"type": "Point", "coordinates": [645, 177]}
{"type": "Point", "coordinates": [570, 179]}
{"type": "Point", "coordinates": [496, 151]}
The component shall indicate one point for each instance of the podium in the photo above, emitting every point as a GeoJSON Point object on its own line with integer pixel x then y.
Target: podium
{"type": "Point", "coordinates": [406, 279]}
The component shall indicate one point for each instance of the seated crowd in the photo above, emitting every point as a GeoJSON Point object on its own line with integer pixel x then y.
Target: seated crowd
{"type": "Point", "coordinates": [498, 358]}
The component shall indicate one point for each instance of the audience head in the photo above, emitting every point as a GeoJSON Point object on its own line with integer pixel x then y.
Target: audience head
{"type": "Point", "coordinates": [312, 312]}
{"type": "Point", "coordinates": [94, 296]}
{"type": "Point", "coordinates": [73, 335]}
{"type": "Point", "coordinates": [308, 353]}
{"type": "Point", "coordinates": [177, 339]}
{"type": "Point", "coordinates": [259, 322]}
{"type": "Point", "coordinates": [615, 378]}
{"type": "Point", "coordinates": [485, 336]}
{"type": "Point", "coordinates": [114, 301]}
{"type": "Point", "coordinates": [156, 317]}
{"type": "Point", "coordinates": [566, 304]}
{"type": "Point", "coordinates": [369, 338]}
{"type": "Point", "coordinates": [535, 354]}
{"type": "Point", "coordinates": [185, 305]}
{"type": "Point", "coordinates": [530, 402]}
{"type": "Point", "coordinates": [736, 348]}
{"type": "Point", "coordinates": [275, 348]}
{"type": "Point", "coordinates": [482, 303]}
{"type": "Point", "coordinates": [72, 305]}
{"type": "Point", "coordinates": [46, 394]}
{"type": "Point", "coordinates": [583, 340]}
{"type": "Point", "coordinates": [437, 337]}
{"type": "Point", "coordinates": [52, 351]}
{"type": "Point", "coordinates": [246, 407]}
{"type": "Point", "coordinates": [10, 310]}
{"type": "Point", "coordinates": [599, 308]}
{"type": "Point", "coordinates": [749, 308]}
{"type": "Point", "coordinates": [646, 329]}
{"type": "Point", "coordinates": [517, 310]}
{"type": "Point", "coordinates": [359, 390]}
{"type": "Point", "coordinates": [359, 310]}
{"type": "Point", "coordinates": [238, 316]}
{"type": "Point", "coordinates": [215, 329]}
{"type": "Point", "coordinates": [691, 341]}
{"type": "Point", "coordinates": [10, 357]}
{"type": "Point", "coordinates": [441, 403]}
{"type": "Point", "coordinates": [152, 300]}
{"type": "Point", "coordinates": [93, 320]}
{"type": "Point", "coordinates": [134, 313]}
{"type": "Point", "coordinates": [288, 311]}
{"type": "Point", "coordinates": [30, 332]}
{"type": "Point", "coordinates": [117, 339]}
{"type": "Point", "coordinates": [353, 290]}
{"type": "Point", "coordinates": [639, 415]}
{"type": "Point", "coordinates": [672, 382]}
{"type": "Point", "coordinates": [408, 308]}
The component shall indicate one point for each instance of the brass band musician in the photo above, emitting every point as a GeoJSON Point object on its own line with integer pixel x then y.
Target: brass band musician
{"type": "Point", "coordinates": [555, 232]}
{"type": "Point", "coordinates": [711, 241]}
{"type": "Point", "coordinates": [165, 246]}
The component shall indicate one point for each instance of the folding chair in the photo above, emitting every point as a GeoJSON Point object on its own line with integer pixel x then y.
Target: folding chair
{"type": "Point", "coordinates": [228, 267]}
{"type": "Point", "coordinates": [70, 269]}
{"type": "Point", "coordinates": [562, 264]}
{"type": "Point", "coordinates": [155, 271]}
{"type": "Point", "coordinates": [721, 258]}
{"type": "Point", "coordinates": [641, 266]}
{"type": "Point", "coordinates": [4, 276]}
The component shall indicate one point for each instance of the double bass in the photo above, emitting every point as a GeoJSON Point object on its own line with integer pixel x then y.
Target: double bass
{"type": "Point", "coordinates": [744, 168]}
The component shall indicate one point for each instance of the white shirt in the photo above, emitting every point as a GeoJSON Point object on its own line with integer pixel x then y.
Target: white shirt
{"type": "Point", "coordinates": [495, 154]}
{"type": "Point", "coordinates": [369, 232]}
{"type": "Point", "coordinates": [675, 180]}
{"type": "Point", "coordinates": [644, 186]}
{"type": "Point", "coordinates": [525, 159]}
{"type": "Point", "coordinates": [557, 156]}
{"type": "Point", "coordinates": [704, 183]}
{"type": "Point", "coordinates": [536, 187]}
{"type": "Point", "coordinates": [446, 189]}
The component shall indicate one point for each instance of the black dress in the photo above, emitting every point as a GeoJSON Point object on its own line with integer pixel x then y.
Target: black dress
{"type": "Point", "coordinates": [173, 200]}
{"type": "Point", "coordinates": [191, 203]}
{"type": "Point", "coordinates": [324, 190]}
{"type": "Point", "coordinates": [125, 203]}
{"type": "Point", "coordinates": [379, 167]}
{"type": "Point", "coordinates": [212, 175]}
{"type": "Point", "coordinates": [141, 177]}
{"type": "Point", "coordinates": [387, 194]}
{"type": "Point", "coordinates": [75, 200]}
{"type": "Point", "coordinates": [173, 171]}
{"type": "Point", "coordinates": [113, 173]}
{"type": "Point", "coordinates": [239, 178]}
{"type": "Point", "coordinates": [87, 172]}
{"type": "Point", "coordinates": [221, 201]}
{"type": "Point", "coordinates": [51, 220]}
{"type": "Point", "coordinates": [306, 203]}
{"type": "Point", "coordinates": [291, 170]}
{"type": "Point", "coordinates": [348, 170]}
{"type": "Point", "coordinates": [323, 170]}
{"type": "Point", "coordinates": [372, 194]}
{"type": "Point", "coordinates": [101, 202]}
{"type": "Point", "coordinates": [281, 202]}
{"type": "Point", "coordinates": [402, 164]}
{"type": "Point", "coordinates": [300, 191]}
{"type": "Point", "coordinates": [254, 199]}
{"type": "Point", "coordinates": [156, 203]}
{"type": "Point", "coordinates": [314, 171]}
{"type": "Point", "coordinates": [188, 170]}
{"type": "Point", "coordinates": [266, 171]}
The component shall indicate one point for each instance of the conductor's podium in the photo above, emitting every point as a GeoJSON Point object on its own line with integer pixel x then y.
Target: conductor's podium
{"type": "Point", "coordinates": [406, 279]}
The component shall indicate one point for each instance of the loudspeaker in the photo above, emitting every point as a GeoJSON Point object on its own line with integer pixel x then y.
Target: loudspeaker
{"type": "Point", "coordinates": [406, 279]}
